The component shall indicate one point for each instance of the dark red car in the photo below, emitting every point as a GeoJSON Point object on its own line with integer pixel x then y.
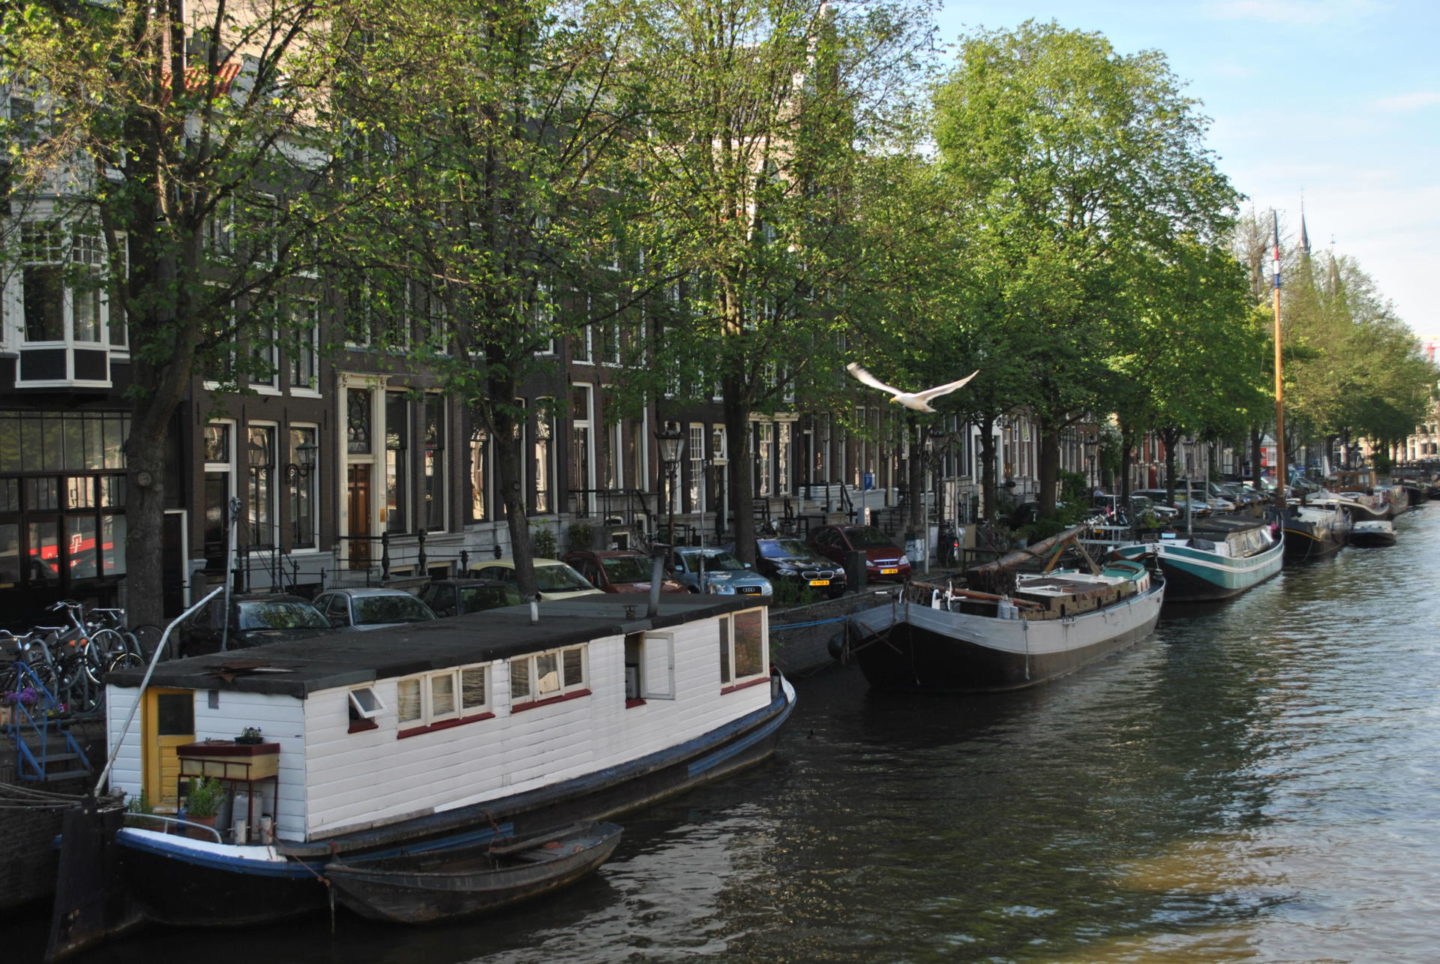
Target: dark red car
{"type": "Point", "coordinates": [884, 561]}
{"type": "Point", "coordinates": [617, 570]}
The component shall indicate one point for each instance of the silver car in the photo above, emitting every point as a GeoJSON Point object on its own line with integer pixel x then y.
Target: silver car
{"type": "Point", "coordinates": [371, 608]}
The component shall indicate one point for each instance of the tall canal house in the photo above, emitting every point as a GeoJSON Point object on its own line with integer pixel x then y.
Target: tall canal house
{"type": "Point", "coordinates": [345, 466]}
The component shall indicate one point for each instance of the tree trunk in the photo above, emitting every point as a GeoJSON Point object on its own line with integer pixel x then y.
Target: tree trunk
{"type": "Point", "coordinates": [1049, 467]}
{"type": "Point", "coordinates": [986, 426]}
{"type": "Point", "coordinates": [915, 472]}
{"type": "Point", "coordinates": [739, 472]}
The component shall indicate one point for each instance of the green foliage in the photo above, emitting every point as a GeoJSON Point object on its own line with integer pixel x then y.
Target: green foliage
{"type": "Point", "coordinates": [579, 535]}
{"type": "Point", "coordinates": [542, 542]}
{"type": "Point", "coordinates": [204, 797]}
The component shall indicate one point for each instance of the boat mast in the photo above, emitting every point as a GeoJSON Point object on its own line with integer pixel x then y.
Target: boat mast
{"type": "Point", "coordinates": [1281, 466]}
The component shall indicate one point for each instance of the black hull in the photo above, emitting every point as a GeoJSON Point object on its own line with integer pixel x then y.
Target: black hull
{"type": "Point", "coordinates": [194, 887]}
{"type": "Point", "coordinates": [443, 887]}
{"type": "Point", "coordinates": [1305, 543]}
{"type": "Point", "coordinates": [1373, 540]}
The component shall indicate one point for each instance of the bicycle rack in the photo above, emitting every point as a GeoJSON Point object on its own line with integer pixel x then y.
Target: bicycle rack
{"type": "Point", "coordinates": [34, 719]}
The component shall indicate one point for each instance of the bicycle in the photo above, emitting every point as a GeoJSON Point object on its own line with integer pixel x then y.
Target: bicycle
{"type": "Point", "coordinates": [98, 646]}
{"type": "Point", "coordinates": [141, 641]}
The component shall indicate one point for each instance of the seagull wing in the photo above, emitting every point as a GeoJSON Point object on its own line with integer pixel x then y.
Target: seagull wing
{"type": "Point", "coordinates": [945, 389]}
{"type": "Point", "coordinates": [871, 380]}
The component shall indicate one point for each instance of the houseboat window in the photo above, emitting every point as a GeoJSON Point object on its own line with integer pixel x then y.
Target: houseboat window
{"type": "Point", "coordinates": [547, 675]}
{"type": "Point", "coordinates": [442, 695]}
{"type": "Point", "coordinates": [544, 675]}
{"type": "Point", "coordinates": [742, 647]}
{"type": "Point", "coordinates": [749, 644]}
{"type": "Point", "coordinates": [407, 693]}
{"type": "Point", "coordinates": [365, 704]}
{"type": "Point", "coordinates": [474, 693]}
{"type": "Point", "coordinates": [519, 679]}
{"type": "Point", "coordinates": [175, 714]}
{"type": "Point", "coordinates": [725, 674]}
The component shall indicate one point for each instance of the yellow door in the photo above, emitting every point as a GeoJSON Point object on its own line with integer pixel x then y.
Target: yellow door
{"type": "Point", "coordinates": [169, 721]}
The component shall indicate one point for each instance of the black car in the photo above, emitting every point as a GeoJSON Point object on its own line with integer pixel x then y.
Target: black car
{"type": "Point", "coordinates": [254, 619]}
{"type": "Point", "coordinates": [792, 562]}
{"type": "Point", "coordinates": [454, 597]}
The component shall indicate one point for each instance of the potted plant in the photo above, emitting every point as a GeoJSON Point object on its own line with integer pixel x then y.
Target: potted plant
{"type": "Point", "coordinates": [250, 735]}
{"type": "Point", "coordinates": [202, 803]}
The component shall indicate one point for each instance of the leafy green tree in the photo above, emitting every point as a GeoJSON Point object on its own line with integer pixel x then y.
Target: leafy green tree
{"type": "Point", "coordinates": [185, 138]}
{"type": "Point", "coordinates": [495, 192]}
{"type": "Point", "coordinates": [755, 116]}
{"type": "Point", "coordinates": [1083, 171]}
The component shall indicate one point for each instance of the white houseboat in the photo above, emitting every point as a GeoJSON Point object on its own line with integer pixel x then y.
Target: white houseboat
{"type": "Point", "coordinates": [435, 735]}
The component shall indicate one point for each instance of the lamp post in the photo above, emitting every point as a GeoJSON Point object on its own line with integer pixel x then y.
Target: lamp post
{"type": "Point", "coordinates": [672, 446]}
{"type": "Point", "coordinates": [304, 463]}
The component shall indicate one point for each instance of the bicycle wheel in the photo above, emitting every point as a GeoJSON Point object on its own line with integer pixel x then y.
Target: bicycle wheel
{"type": "Point", "coordinates": [125, 661]}
{"type": "Point", "coordinates": [105, 645]}
{"type": "Point", "coordinates": [146, 638]}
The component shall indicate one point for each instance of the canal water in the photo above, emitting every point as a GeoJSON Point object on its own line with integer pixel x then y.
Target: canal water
{"type": "Point", "coordinates": [1259, 780]}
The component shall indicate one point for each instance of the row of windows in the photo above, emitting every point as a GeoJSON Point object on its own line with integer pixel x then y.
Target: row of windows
{"type": "Point", "coordinates": [464, 692]}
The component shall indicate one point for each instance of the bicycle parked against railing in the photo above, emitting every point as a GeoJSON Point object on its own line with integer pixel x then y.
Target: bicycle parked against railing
{"type": "Point", "coordinates": [56, 667]}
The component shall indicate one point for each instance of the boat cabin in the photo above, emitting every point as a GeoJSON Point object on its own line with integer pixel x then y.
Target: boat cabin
{"type": "Point", "coordinates": [352, 731]}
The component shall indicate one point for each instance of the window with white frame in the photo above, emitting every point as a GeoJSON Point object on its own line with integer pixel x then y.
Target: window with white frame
{"type": "Point", "coordinates": [479, 472]}
{"type": "Point", "coordinates": [543, 457]}
{"type": "Point", "coordinates": [649, 666]}
{"type": "Point", "coordinates": [582, 455]}
{"type": "Point", "coordinates": [397, 462]}
{"type": "Point", "coordinates": [432, 514]}
{"type": "Point", "coordinates": [458, 694]}
{"type": "Point", "coordinates": [302, 474]}
{"type": "Point", "coordinates": [764, 450]}
{"type": "Point", "coordinates": [542, 319]}
{"type": "Point", "coordinates": [62, 284]}
{"type": "Point", "coordinates": [305, 349]}
{"type": "Point", "coordinates": [695, 447]}
{"type": "Point", "coordinates": [219, 231]}
{"type": "Point", "coordinates": [548, 675]}
{"type": "Point", "coordinates": [744, 657]}
{"type": "Point", "coordinates": [264, 353]}
{"type": "Point", "coordinates": [261, 461]}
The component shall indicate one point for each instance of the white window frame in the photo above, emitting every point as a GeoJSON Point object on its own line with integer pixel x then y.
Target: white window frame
{"type": "Point", "coordinates": [307, 349]}
{"type": "Point", "coordinates": [366, 703]}
{"type": "Point", "coordinates": [728, 678]}
{"type": "Point", "coordinates": [536, 689]}
{"type": "Point", "coordinates": [459, 710]}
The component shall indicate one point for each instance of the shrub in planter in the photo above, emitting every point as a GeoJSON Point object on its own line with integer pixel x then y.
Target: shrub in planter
{"type": "Point", "coordinates": [203, 800]}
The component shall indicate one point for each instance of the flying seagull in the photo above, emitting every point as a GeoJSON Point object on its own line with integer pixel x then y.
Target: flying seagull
{"type": "Point", "coordinates": [919, 401]}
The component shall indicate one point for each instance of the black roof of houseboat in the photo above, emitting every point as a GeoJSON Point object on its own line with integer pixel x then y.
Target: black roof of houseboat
{"type": "Point", "coordinates": [299, 667]}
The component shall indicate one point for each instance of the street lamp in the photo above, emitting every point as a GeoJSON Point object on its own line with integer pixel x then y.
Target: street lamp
{"type": "Point", "coordinates": [304, 464]}
{"type": "Point", "coordinates": [672, 446]}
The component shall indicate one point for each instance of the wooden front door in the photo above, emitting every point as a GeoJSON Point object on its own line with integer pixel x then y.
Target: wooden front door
{"type": "Point", "coordinates": [358, 498]}
{"type": "Point", "coordinates": [168, 719]}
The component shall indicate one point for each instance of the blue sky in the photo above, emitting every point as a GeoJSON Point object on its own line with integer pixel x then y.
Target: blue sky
{"type": "Point", "coordinates": [1336, 102]}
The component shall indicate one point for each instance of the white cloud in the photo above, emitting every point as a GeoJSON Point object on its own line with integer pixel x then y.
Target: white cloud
{"type": "Point", "coordinates": [1415, 100]}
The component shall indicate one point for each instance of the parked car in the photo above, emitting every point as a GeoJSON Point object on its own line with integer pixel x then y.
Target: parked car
{"type": "Point", "coordinates": [252, 620]}
{"type": "Point", "coordinates": [371, 607]}
{"type": "Point", "coordinates": [1141, 504]}
{"type": "Point", "coordinates": [553, 578]}
{"type": "Point", "coordinates": [884, 561]}
{"type": "Point", "coordinates": [618, 570]}
{"type": "Point", "coordinates": [1198, 506]}
{"type": "Point", "coordinates": [716, 571]}
{"type": "Point", "coordinates": [455, 597]}
{"type": "Point", "coordinates": [792, 561]}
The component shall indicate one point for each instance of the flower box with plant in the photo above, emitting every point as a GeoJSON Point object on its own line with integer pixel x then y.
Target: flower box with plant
{"type": "Point", "coordinates": [250, 736]}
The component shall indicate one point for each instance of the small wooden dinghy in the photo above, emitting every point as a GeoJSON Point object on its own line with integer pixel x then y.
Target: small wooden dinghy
{"type": "Point", "coordinates": [449, 884]}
